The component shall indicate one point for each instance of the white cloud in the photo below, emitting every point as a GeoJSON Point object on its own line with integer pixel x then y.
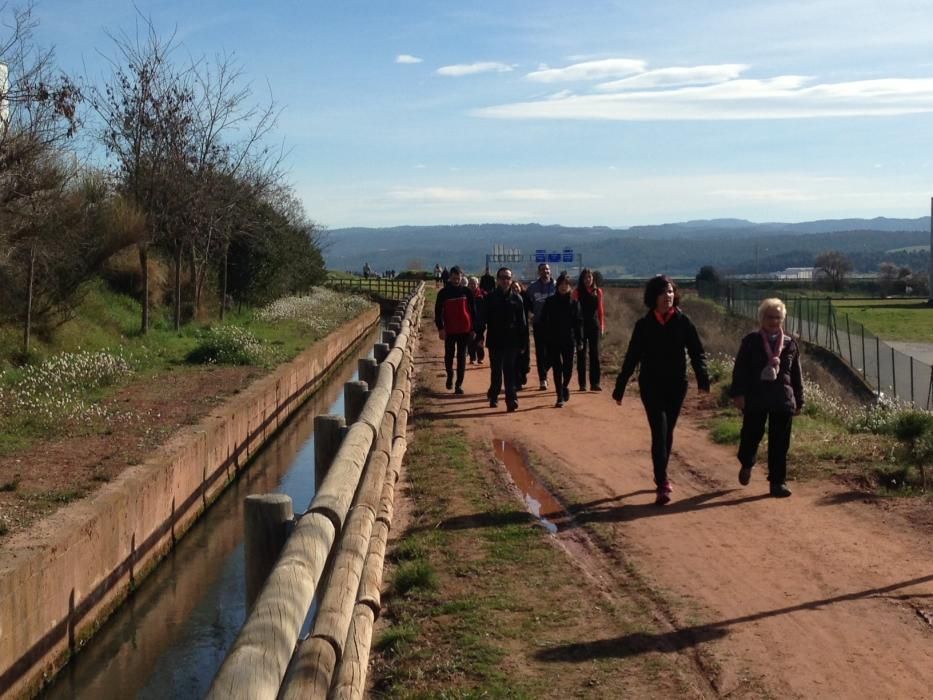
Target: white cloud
{"type": "Point", "coordinates": [781, 97]}
{"type": "Point", "coordinates": [589, 70]}
{"type": "Point", "coordinates": [677, 76]}
{"type": "Point", "coordinates": [407, 58]}
{"type": "Point", "coordinates": [462, 69]}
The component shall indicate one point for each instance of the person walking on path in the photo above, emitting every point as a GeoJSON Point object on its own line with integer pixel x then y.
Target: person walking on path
{"type": "Point", "coordinates": [560, 317]}
{"type": "Point", "coordinates": [437, 276]}
{"type": "Point", "coordinates": [537, 292]}
{"type": "Point", "coordinates": [487, 282]}
{"type": "Point", "coordinates": [476, 351]}
{"type": "Point", "coordinates": [590, 298]}
{"type": "Point", "coordinates": [658, 345]}
{"type": "Point", "coordinates": [506, 325]}
{"type": "Point", "coordinates": [767, 386]}
{"type": "Point", "coordinates": [455, 318]}
{"type": "Point", "coordinates": [523, 361]}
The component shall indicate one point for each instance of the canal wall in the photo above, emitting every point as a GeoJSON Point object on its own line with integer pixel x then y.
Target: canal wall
{"type": "Point", "coordinates": [60, 580]}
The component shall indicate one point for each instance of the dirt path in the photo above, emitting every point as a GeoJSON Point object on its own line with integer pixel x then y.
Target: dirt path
{"type": "Point", "coordinates": [818, 595]}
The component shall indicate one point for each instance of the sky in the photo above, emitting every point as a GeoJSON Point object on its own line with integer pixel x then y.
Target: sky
{"type": "Point", "coordinates": [591, 113]}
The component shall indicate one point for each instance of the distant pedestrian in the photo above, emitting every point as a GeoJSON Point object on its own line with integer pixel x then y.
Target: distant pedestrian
{"type": "Point", "coordinates": [524, 354]}
{"type": "Point", "coordinates": [560, 317]}
{"type": "Point", "coordinates": [590, 298]}
{"type": "Point", "coordinates": [506, 326]}
{"type": "Point", "coordinates": [537, 292]}
{"type": "Point", "coordinates": [476, 347]}
{"type": "Point", "coordinates": [445, 275]}
{"type": "Point", "coordinates": [659, 342]}
{"type": "Point", "coordinates": [454, 315]}
{"type": "Point", "coordinates": [437, 276]}
{"type": "Point", "coordinates": [767, 386]}
{"type": "Point", "coordinates": [487, 282]}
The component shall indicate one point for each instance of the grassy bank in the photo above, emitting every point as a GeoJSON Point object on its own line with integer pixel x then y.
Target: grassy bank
{"type": "Point", "coordinates": [75, 366]}
{"type": "Point", "coordinates": [909, 320]}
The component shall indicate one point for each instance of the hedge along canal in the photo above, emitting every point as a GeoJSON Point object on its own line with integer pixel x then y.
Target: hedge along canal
{"type": "Point", "coordinates": [58, 584]}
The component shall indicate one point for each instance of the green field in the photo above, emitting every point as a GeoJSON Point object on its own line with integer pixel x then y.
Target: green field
{"type": "Point", "coordinates": [890, 319]}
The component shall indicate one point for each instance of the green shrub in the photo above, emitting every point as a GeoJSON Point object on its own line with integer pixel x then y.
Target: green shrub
{"type": "Point", "coordinates": [229, 345]}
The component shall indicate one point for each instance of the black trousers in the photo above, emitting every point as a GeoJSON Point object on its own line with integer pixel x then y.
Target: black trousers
{"type": "Point", "coordinates": [561, 357]}
{"type": "Point", "coordinates": [662, 407]}
{"type": "Point", "coordinates": [541, 356]}
{"type": "Point", "coordinates": [591, 349]}
{"type": "Point", "coordinates": [457, 342]}
{"type": "Point", "coordinates": [753, 429]}
{"type": "Point", "coordinates": [475, 348]}
{"type": "Point", "coordinates": [503, 369]}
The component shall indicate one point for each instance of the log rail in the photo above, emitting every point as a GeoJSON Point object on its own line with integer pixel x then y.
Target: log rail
{"type": "Point", "coordinates": [343, 533]}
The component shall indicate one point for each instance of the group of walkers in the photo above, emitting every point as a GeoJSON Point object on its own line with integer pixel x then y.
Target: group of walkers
{"type": "Point", "coordinates": [568, 319]}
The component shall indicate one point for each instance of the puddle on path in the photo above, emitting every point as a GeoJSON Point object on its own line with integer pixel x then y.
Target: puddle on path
{"type": "Point", "coordinates": [539, 501]}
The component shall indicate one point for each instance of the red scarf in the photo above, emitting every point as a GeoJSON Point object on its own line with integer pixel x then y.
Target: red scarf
{"type": "Point", "coordinates": [666, 317]}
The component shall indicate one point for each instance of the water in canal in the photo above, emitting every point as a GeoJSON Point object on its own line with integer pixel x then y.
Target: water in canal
{"type": "Point", "coordinates": [171, 635]}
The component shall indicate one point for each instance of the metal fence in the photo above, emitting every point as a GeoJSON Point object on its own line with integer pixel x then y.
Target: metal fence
{"type": "Point", "coordinates": [817, 321]}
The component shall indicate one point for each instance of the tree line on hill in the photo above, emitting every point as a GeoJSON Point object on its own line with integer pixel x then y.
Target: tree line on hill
{"type": "Point", "coordinates": [734, 247]}
{"type": "Point", "coordinates": [177, 167]}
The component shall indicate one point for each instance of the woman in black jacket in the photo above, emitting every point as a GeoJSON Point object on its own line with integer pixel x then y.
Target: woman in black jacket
{"type": "Point", "coordinates": [560, 318]}
{"type": "Point", "coordinates": [767, 386]}
{"type": "Point", "coordinates": [658, 344]}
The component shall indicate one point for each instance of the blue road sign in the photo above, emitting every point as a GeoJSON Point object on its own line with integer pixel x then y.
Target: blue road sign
{"type": "Point", "coordinates": [540, 256]}
{"type": "Point", "coordinates": [553, 257]}
{"type": "Point", "coordinates": [568, 255]}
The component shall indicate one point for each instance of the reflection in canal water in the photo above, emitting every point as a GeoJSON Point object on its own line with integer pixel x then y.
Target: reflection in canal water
{"type": "Point", "coordinates": [171, 635]}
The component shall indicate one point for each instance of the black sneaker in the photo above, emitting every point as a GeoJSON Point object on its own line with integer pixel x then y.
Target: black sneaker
{"type": "Point", "coordinates": [559, 404]}
{"type": "Point", "coordinates": [450, 382]}
{"type": "Point", "coordinates": [596, 387]}
{"type": "Point", "coordinates": [511, 406]}
{"type": "Point", "coordinates": [458, 389]}
{"type": "Point", "coordinates": [745, 475]}
{"type": "Point", "coordinates": [780, 491]}
{"type": "Point", "coordinates": [566, 393]}
{"type": "Point", "coordinates": [583, 387]}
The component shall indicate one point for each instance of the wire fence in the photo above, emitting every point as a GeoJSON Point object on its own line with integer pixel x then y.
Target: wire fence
{"type": "Point", "coordinates": [885, 369]}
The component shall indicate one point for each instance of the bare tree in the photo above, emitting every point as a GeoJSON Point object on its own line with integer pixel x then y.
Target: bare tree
{"type": "Point", "coordinates": [834, 266]}
{"type": "Point", "coordinates": [144, 109]}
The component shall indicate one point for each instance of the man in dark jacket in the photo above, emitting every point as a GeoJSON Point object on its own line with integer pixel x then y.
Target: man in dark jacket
{"type": "Point", "coordinates": [455, 318]}
{"type": "Point", "coordinates": [506, 325]}
{"type": "Point", "coordinates": [537, 292]}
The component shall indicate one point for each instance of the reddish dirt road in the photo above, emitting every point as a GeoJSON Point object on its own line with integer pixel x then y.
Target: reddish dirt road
{"type": "Point", "coordinates": [815, 596]}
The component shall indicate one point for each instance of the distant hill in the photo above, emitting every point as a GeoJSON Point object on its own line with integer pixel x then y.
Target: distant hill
{"type": "Point", "coordinates": [732, 245]}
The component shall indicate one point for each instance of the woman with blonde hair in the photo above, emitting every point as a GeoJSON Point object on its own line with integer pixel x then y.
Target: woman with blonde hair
{"type": "Point", "coordinates": [767, 386]}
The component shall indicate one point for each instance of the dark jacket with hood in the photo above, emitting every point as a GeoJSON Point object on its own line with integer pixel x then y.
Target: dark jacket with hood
{"type": "Point", "coordinates": [561, 320]}
{"type": "Point", "coordinates": [506, 321]}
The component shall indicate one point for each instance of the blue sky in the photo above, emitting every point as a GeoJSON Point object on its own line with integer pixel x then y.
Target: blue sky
{"type": "Point", "coordinates": [585, 113]}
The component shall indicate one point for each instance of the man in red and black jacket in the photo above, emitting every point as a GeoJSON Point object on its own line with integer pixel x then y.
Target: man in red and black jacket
{"type": "Point", "coordinates": [455, 317]}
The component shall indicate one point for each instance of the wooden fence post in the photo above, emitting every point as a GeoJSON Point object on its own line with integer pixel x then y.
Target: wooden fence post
{"type": "Point", "coordinates": [354, 396]}
{"type": "Point", "coordinates": [380, 352]}
{"type": "Point", "coordinates": [266, 518]}
{"type": "Point", "coordinates": [367, 369]}
{"type": "Point", "coordinates": [328, 434]}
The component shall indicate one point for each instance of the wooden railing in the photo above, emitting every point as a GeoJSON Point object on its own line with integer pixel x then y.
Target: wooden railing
{"type": "Point", "coordinates": [387, 288]}
{"type": "Point", "coordinates": [344, 530]}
